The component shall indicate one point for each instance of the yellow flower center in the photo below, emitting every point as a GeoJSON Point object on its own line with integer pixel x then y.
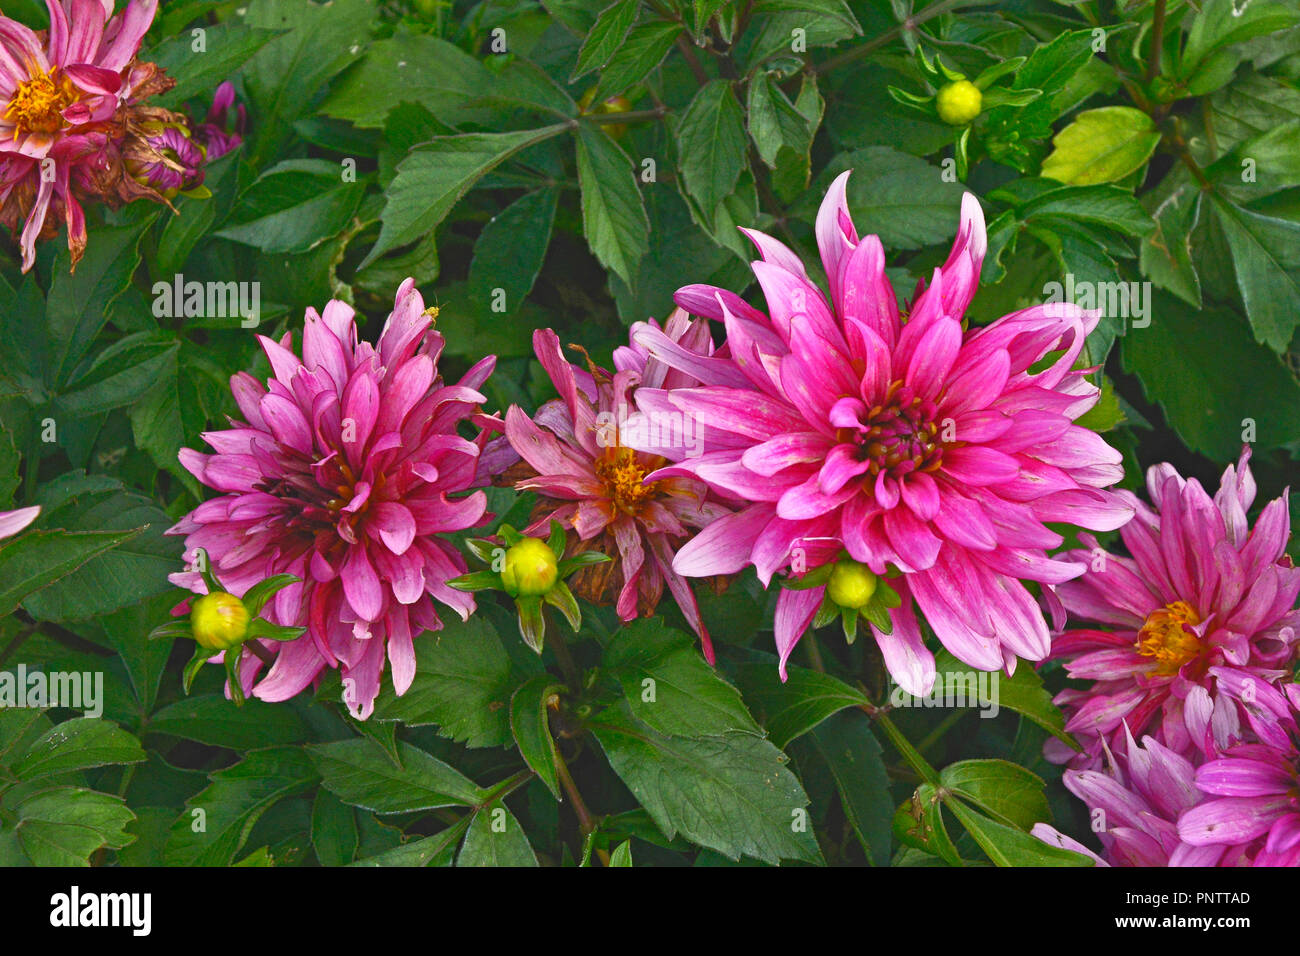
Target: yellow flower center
{"type": "Point", "coordinates": [38, 103]}
{"type": "Point", "coordinates": [623, 475]}
{"type": "Point", "coordinates": [1167, 636]}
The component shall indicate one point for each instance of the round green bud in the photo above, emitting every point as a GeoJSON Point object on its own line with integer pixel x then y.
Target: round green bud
{"type": "Point", "coordinates": [851, 584]}
{"type": "Point", "coordinates": [959, 103]}
{"type": "Point", "coordinates": [530, 568]}
{"type": "Point", "coordinates": [219, 621]}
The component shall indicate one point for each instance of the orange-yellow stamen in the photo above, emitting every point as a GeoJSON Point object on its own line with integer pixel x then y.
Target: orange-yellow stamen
{"type": "Point", "coordinates": [623, 475]}
{"type": "Point", "coordinates": [38, 103]}
{"type": "Point", "coordinates": [1167, 636]}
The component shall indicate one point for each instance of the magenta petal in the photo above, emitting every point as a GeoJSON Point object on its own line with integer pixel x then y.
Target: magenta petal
{"type": "Point", "coordinates": [795, 610]}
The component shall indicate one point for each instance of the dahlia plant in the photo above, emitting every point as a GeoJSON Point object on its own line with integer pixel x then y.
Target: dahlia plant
{"type": "Point", "coordinates": [920, 447]}
{"type": "Point", "coordinates": [345, 468]}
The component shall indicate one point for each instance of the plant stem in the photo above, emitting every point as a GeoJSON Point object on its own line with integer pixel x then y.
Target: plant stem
{"type": "Point", "coordinates": [565, 659]}
{"type": "Point", "coordinates": [586, 822]}
{"type": "Point", "coordinates": [1157, 41]}
{"type": "Point", "coordinates": [848, 56]}
{"type": "Point", "coordinates": [905, 748]}
{"type": "Point", "coordinates": [260, 652]}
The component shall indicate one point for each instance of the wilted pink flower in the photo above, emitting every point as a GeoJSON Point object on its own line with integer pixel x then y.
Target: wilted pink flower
{"type": "Point", "coordinates": [1202, 621]}
{"type": "Point", "coordinates": [1137, 804]}
{"type": "Point", "coordinates": [1258, 791]}
{"type": "Point", "coordinates": [908, 441]}
{"type": "Point", "coordinates": [165, 158]}
{"type": "Point", "coordinates": [60, 86]}
{"type": "Point", "coordinates": [223, 128]}
{"type": "Point", "coordinates": [11, 522]}
{"type": "Point", "coordinates": [592, 480]}
{"type": "Point", "coordinates": [343, 475]}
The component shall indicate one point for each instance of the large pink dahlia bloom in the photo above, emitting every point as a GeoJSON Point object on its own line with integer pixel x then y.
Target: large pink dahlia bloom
{"type": "Point", "coordinates": [1135, 807]}
{"type": "Point", "coordinates": [1201, 621]}
{"type": "Point", "coordinates": [61, 86]}
{"type": "Point", "coordinates": [591, 475]}
{"type": "Point", "coordinates": [343, 474]}
{"type": "Point", "coordinates": [915, 444]}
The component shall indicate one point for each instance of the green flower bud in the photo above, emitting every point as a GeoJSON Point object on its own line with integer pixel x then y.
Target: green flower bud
{"type": "Point", "coordinates": [958, 103]}
{"type": "Point", "coordinates": [851, 584]}
{"type": "Point", "coordinates": [219, 621]}
{"type": "Point", "coordinates": [530, 569]}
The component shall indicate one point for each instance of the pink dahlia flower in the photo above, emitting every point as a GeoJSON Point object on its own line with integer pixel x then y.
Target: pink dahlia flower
{"type": "Point", "coordinates": [62, 85]}
{"type": "Point", "coordinates": [1201, 621]}
{"type": "Point", "coordinates": [223, 128]}
{"type": "Point", "coordinates": [593, 481]}
{"type": "Point", "coordinates": [343, 474]}
{"type": "Point", "coordinates": [1135, 810]}
{"type": "Point", "coordinates": [911, 442]}
{"type": "Point", "coordinates": [1258, 800]}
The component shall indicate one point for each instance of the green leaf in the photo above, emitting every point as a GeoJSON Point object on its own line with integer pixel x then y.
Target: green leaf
{"type": "Point", "coordinates": [613, 215]}
{"type": "Point", "coordinates": [851, 752]}
{"type": "Point", "coordinates": [670, 686]}
{"type": "Point", "coordinates": [773, 121]}
{"type": "Point", "coordinates": [78, 744]}
{"type": "Point", "coordinates": [711, 144]}
{"type": "Point", "coordinates": [217, 821]}
{"type": "Point", "coordinates": [1265, 258]}
{"type": "Point", "coordinates": [437, 850]}
{"type": "Point", "coordinates": [731, 793]}
{"type": "Point", "coordinates": [119, 374]}
{"type": "Point", "coordinates": [416, 68]}
{"type": "Point", "coordinates": [1023, 693]}
{"type": "Point", "coordinates": [78, 303]}
{"type": "Point", "coordinates": [1101, 146]}
{"type": "Point", "coordinates": [293, 207]}
{"type": "Point", "coordinates": [134, 570]}
{"type": "Point", "coordinates": [509, 252]}
{"type": "Point", "coordinates": [1166, 254]}
{"type": "Point", "coordinates": [333, 830]}
{"type": "Point", "coordinates": [63, 827]}
{"type": "Point", "coordinates": [360, 773]}
{"type": "Point", "coordinates": [836, 10]}
{"type": "Point", "coordinates": [435, 175]}
{"type": "Point", "coordinates": [1221, 23]}
{"type": "Point", "coordinates": [37, 559]}
{"type": "Point", "coordinates": [1004, 790]}
{"type": "Point", "coordinates": [789, 710]}
{"type": "Point", "coordinates": [531, 727]}
{"type": "Point", "coordinates": [919, 823]}
{"type": "Point", "coordinates": [900, 198]}
{"type": "Point", "coordinates": [622, 855]}
{"type": "Point", "coordinates": [642, 51]}
{"type": "Point", "coordinates": [1209, 418]}
{"type": "Point", "coordinates": [284, 78]}
{"type": "Point", "coordinates": [463, 684]}
{"type": "Point", "coordinates": [226, 47]}
{"type": "Point", "coordinates": [495, 838]}
{"type": "Point", "coordinates": [212, 719]}
{"type": "Point", "coordinates": [605, 36]}
{"type": "Point", "coordinates": [1007, 846]}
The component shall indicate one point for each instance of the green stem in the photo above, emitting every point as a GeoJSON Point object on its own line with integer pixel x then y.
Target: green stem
{"type": "Point", "coordinates": [848, 56]}
{"type": "Point", "coordinates": [905, 748]}
{"type": "Point", "coordinates": [1157, 41]}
